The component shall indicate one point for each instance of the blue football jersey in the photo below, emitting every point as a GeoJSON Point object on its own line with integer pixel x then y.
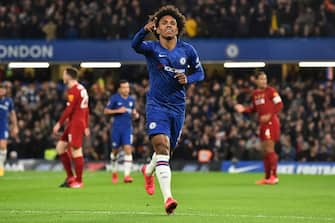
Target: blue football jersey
{"type": "Point", "coordinates": [165, 91]}
{"type": "Point", "coordinates": [6, 106]}
{"type": "Point", "coordinates": [121, 121]}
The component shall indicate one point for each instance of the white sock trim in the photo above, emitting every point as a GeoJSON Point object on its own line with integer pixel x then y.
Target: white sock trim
{"type": "Point", "coordinates": [128, 162]}
{"type": "Point", "coordinates": [151, 166]}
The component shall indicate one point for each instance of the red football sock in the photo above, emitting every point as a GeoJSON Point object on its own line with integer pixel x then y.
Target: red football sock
{"type": "Point", "coordinates": [79, 166]}
{"type": "Point", "coordinates": [64, 157]}
{"type": "Point", "coordinates": [267, 166]}
{"type": "Point", "coordinates": [273, 163]}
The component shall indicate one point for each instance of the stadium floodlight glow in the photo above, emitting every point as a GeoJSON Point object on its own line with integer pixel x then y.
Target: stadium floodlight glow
{"type": "Point", "coordinates": [28, 65]}
{"type": "Point", "coordinates": [100, 64]}
{"type": "Point", "coordinates": [317, 64]}
{"type": "Point", "coordinates": [244, 64]}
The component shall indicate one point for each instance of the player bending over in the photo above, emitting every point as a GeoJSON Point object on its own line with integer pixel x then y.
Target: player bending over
{"type": "Point", "coordinates": [267, 103]}
{"type": "Point", "coordinates": [168, 60]}
{"type": "Point", "coordinates": [122, 107]}
{"type": "Point", "coordinates": [75, 117]}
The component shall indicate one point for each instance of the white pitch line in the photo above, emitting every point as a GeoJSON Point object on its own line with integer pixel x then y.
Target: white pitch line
{"type": "Point", "coordinates": [104, 212]}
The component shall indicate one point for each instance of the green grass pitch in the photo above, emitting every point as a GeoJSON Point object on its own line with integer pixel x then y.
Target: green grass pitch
{"type": "Point", "coordinates": [203, 197]}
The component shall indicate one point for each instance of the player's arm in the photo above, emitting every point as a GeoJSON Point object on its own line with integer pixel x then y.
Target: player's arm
{"type": "Point", "coordinates": [121, 110]}
{"type": "Point", "coordinates": [70, 104]}
{"type": "Point", "coordinates": [87, 119]}
{"type": "Point", "coordinates": [278, 106]}
{"type": "Point", "coordinates": [134, 112]}
{"type": "Point", "coordinates": [245, 109]}
{"type": "Point", "coordinates": [111, 110]}
{"type": "Point", "coordinates": [13, 119]}
{"type": "Point", "coordinates": [278, 103]}
{"type": "Point", "coordinates": [197, 74]}
{"type": "Point", "coordinates": [137, 42]}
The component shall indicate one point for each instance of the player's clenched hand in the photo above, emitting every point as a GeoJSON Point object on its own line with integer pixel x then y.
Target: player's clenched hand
{"type": "Point", "coordinates": [151, 26]}
{"type": "Point", "coordinates": [135, 114]}
{"type": "Point", "coordinates": [15, 131]}
{"type": "Point", "coordinates": [239, 108]}
{"type": "Point", "coordinates": [122, 110]}
{"type": "Point", "coordinates": [265, 118]}
{"type": "Point", "coordinates": [182, 79]}
{"type": "Point", "coordinates": [87, 132]}
{"type": "Point", "coordinates": [56, 128]}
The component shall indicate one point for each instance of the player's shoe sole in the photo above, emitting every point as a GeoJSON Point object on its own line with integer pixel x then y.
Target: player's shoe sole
{"type": "Point", "coordinates": [273, 180]}
{"type": "Point", "coordinates": [262, 181]}
{"type": "Point", "coordinates": [149, 182]}
{"type": "Point", "coordinates": [76, 185]}
{"type": "Point", "coordinates": [128, 179]}
{"type": "Point", "coordinates": [67, 182]}
{"type": "Point", "coordinates": [170, 205]}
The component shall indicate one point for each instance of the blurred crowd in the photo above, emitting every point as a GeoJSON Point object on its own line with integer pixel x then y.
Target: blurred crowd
{"type": "Point", "coordinates": [120, 19]}
{"type": "Point", "coordinates": [308, 119]}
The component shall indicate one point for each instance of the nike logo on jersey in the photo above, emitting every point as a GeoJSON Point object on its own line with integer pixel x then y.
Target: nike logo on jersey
{"type": "Point", "coordinates": [162, 55]}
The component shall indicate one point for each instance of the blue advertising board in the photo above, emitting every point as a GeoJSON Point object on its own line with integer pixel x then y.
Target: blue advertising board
{"type": "Point", "coordinates": [219, 50]}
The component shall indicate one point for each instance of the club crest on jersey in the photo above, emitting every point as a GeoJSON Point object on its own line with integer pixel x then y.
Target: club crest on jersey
{"type": "Point", "coordinates": [119, 103]}
{"type": "Point", "coordinates": [152, 125]}
{"type": "Point", "coordinates": [182, 61]}
{"type": "Point", "coordinates": [130, 104]}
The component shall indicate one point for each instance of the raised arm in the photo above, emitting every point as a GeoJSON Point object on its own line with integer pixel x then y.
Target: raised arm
{"type": "Point", "coordinates": [137, 42]}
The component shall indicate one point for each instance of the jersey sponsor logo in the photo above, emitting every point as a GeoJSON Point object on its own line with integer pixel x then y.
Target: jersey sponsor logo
{"type": "Point", "coordinates": [182, 61]}
{"type": "Point", "coordinates": [152, 125]}
{"type": "Point", "coordinates": [260, 101]}
{"type": "Point", "coordinates": [4, 107]}
{"type": "Point", "coordinates": [174, 70]}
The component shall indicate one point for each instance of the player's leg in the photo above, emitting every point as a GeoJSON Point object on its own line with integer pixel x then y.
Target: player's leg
{"type": "Point", "coordinates": [157, 123]}
{"type": "Point", "coordinates": [128, 161]}
{"type": "Point", "coordinates": [64, 157]}
{"type": "Point", "coordinates": [271, 159]}
{"type": "Point", "coordinates": [78, 160]}
{"type": "Point", "coordinates": [76, 134]}
{"type": "Point", "coordinates": [126, 141]}
{"type": "Point", "coordinates": [115, 141]}
{"type": "Point", "coordinates": [3, 154]}
{"type": "Point", "coordinates": [161, 144]}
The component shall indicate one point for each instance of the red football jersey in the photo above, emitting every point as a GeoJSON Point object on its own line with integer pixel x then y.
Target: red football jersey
{"type": "Point", "coordinates": [266, 101]}
{"type": "Point", "coordinates": [76, 111]}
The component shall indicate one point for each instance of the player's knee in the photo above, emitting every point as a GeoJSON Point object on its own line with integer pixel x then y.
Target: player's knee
{"type": "Point", "coordinates": [161, 148]}
{"type": "Point", "coordinates": [77, 152]}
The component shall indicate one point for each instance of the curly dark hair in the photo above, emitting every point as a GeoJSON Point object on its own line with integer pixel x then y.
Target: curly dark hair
{"type": "Point", "coordinates": [170, 10]}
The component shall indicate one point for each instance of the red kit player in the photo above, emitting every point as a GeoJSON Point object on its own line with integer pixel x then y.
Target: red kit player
{"type": "Point", "coordinates": [75, 117]}
{"type": "Point", "coordinates": [267, 103]}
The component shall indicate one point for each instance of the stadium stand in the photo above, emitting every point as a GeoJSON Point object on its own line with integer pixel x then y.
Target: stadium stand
{"type": "Point", "coordinates": [116, 19]}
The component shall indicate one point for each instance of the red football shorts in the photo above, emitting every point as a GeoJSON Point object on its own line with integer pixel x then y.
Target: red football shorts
{"type": "Point", "coordinates": [270, 131]}
{"type": "Point", "coordinates": [73, 134]}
